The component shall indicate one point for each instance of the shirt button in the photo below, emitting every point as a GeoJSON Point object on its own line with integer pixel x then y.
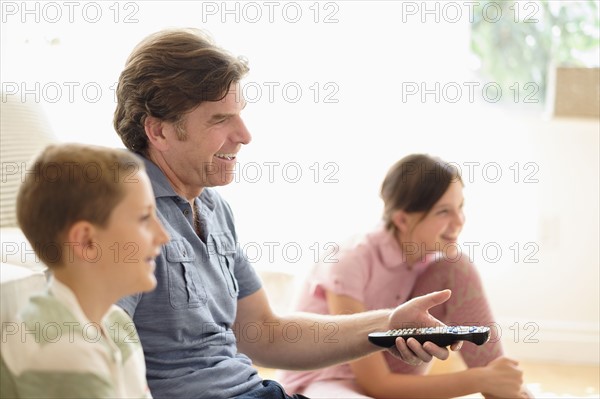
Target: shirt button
{"type": "Point", "coordinates": [186, 212]}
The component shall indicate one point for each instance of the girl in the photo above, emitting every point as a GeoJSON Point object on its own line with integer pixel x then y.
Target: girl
{"type": "Point", "coordinates": [413, 253]}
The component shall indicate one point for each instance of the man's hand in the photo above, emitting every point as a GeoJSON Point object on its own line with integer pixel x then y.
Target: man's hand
{"type": "Point", "coordinates": [415, 313]}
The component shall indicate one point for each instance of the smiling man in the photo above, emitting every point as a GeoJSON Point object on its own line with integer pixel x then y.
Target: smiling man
{"type": "Point", "coordinates": [179, 108]}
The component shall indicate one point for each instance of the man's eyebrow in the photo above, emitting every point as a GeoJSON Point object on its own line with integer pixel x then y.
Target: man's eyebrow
{"type": "Point", "coordinates": [217, 117]}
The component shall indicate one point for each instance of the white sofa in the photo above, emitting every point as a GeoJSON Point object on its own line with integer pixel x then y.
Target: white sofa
{"type": "Point", "coordinates": [24, 131]}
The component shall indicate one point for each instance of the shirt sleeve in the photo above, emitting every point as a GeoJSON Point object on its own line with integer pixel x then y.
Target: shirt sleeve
{"type": "Point", "coordinates": [248, 280]}
{"type": "Point", "coordinates": [63, 385]}
{"type": "Point", "coordinates": [346, 277]}
{"type": "Point", "coordinates": [8, 388]}
{"type": "Point", "coordinates": [32, 369]}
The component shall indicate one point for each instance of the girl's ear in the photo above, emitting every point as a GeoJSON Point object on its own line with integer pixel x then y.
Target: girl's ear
{"type": "Point", "coordinates": [80, 239]}
{"type": "Point", "coordinates": [401, 220]}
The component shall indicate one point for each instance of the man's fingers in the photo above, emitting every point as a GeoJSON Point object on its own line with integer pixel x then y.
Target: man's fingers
{"type": "Point", "coordinates": [418, 350]}
{"type": "Point", "coordinates": [436, 351]}
{"type": "Point", "coordinates": [407, 355]}
{"type": "Point", "coordinates": [456, 346]}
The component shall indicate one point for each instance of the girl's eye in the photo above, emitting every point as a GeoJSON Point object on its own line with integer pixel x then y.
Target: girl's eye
{"type": "Point", "coordinates": [145, 218]}
{"type": "Point", "coordinates": [443, 212]}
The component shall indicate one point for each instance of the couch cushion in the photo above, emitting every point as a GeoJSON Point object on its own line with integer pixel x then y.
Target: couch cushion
{"type": "Point", "coordinates": [15, 249]}
{"type": "Point", "coordinates": [17, 284]}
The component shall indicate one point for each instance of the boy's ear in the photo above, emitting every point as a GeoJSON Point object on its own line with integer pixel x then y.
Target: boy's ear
{"type": "Point", "coordinates": [154, 131]}
{"type": "Point", "coordinates": [81, 240]}
{"type": "Point", "coordinates": [401, 220]}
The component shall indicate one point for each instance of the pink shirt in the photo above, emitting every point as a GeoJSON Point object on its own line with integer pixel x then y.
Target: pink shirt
{"type": "Point", "coordinates": [372, 272]}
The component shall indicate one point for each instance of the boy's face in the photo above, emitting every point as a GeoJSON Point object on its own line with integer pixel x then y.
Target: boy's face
{"type": "Point", "coordinates": [132, 239]}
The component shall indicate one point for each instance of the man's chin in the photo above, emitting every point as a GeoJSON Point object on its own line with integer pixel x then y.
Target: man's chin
{"type": "Point", "coordinates": [220, 181]}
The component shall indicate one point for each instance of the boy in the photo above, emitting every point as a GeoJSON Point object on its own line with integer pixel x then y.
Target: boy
{"type": "Point", "coordinates": [89, 213]}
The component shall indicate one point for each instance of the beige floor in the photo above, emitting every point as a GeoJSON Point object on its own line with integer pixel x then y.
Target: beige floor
{"type": "Point", "coordinates": [544, 380]}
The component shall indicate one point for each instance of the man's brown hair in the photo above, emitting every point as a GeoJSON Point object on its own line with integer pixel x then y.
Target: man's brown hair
{"type": "Point", "coordinates": [168, 74]}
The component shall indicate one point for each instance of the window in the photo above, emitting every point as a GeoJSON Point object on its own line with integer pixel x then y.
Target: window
{"type": "Point", "coordinates": [517, 42]}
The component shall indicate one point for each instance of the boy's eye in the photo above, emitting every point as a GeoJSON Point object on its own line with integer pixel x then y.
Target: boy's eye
{"type": "Point", "coordinates": [145, 218]}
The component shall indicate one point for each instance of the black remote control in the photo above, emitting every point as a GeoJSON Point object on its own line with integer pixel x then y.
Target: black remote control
{"type": "Point", "coordinates": [441, 336]}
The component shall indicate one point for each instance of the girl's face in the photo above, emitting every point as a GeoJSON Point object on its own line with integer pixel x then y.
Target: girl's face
{"type": "Point", "coordinates": [438, 230]}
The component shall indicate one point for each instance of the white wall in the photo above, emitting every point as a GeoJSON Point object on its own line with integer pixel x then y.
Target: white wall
{"type": "Point", "coordinates": [363, 59]}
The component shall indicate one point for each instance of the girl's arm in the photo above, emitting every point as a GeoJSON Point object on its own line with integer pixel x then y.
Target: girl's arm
{"type": "Point", "coordinates": [500, 378]}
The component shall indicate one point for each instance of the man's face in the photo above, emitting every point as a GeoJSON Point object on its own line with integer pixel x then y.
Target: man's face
{"type": "Point", "coordinates": [214, 134]}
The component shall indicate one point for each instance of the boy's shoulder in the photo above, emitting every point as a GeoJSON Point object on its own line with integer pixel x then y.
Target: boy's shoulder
{"type": "Point", "coordinates": [122, 332]}
{"type": "Point", "coordinates": [45, 308]}
{"type": "Point", "coordinates": [48, 351]}
{"type": "Point", "coordinates": [48, 330]}
{"type": "Point", "coordinates": [43, 334]}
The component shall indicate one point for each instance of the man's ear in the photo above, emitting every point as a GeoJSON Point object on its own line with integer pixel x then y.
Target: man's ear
{"type": "Point", "coordinates": [154, 131]}
{"type": "Point", "coordinates": [401, 220]}
{"type": "Point", "coordinates": [80, 240]}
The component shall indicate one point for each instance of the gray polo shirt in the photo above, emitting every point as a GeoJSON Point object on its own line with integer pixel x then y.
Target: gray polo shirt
{"type": "Point", "coordinates": [185, 324]}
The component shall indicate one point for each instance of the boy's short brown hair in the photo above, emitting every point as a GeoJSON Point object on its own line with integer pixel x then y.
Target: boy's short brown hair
{"type": "Point", "coordinates": [168, 74]}
{"type": "Point", "coordinates": [69, 183]}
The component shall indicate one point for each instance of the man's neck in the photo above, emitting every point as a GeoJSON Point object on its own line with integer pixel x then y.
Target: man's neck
{"type": "Point", "coordinates": [184, 190]}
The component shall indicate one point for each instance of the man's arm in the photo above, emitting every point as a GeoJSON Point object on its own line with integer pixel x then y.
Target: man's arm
{"type": "Point", "coordinates": [307, 340]}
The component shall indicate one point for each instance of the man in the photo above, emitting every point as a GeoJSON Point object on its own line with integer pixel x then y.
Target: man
{"type": "Point", "coordinates": [179, 107]}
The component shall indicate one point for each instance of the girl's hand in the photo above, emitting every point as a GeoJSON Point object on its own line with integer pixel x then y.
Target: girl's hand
{"type": "Point", "coordinates": [502, 378]}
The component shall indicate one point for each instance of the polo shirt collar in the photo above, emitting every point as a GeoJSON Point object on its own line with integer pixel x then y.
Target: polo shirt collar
{"type": "Point", "coordinates": [391, 253]}
{"type": "Point", "coordinates": [160, 183]}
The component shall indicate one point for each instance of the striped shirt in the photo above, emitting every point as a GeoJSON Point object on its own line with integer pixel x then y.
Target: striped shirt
{"type": "Point", "coordinates": [53, 350]}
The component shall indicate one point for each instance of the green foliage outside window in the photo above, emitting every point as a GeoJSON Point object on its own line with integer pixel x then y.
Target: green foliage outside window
{"type": "Point", "coordinates": [518, 44]}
